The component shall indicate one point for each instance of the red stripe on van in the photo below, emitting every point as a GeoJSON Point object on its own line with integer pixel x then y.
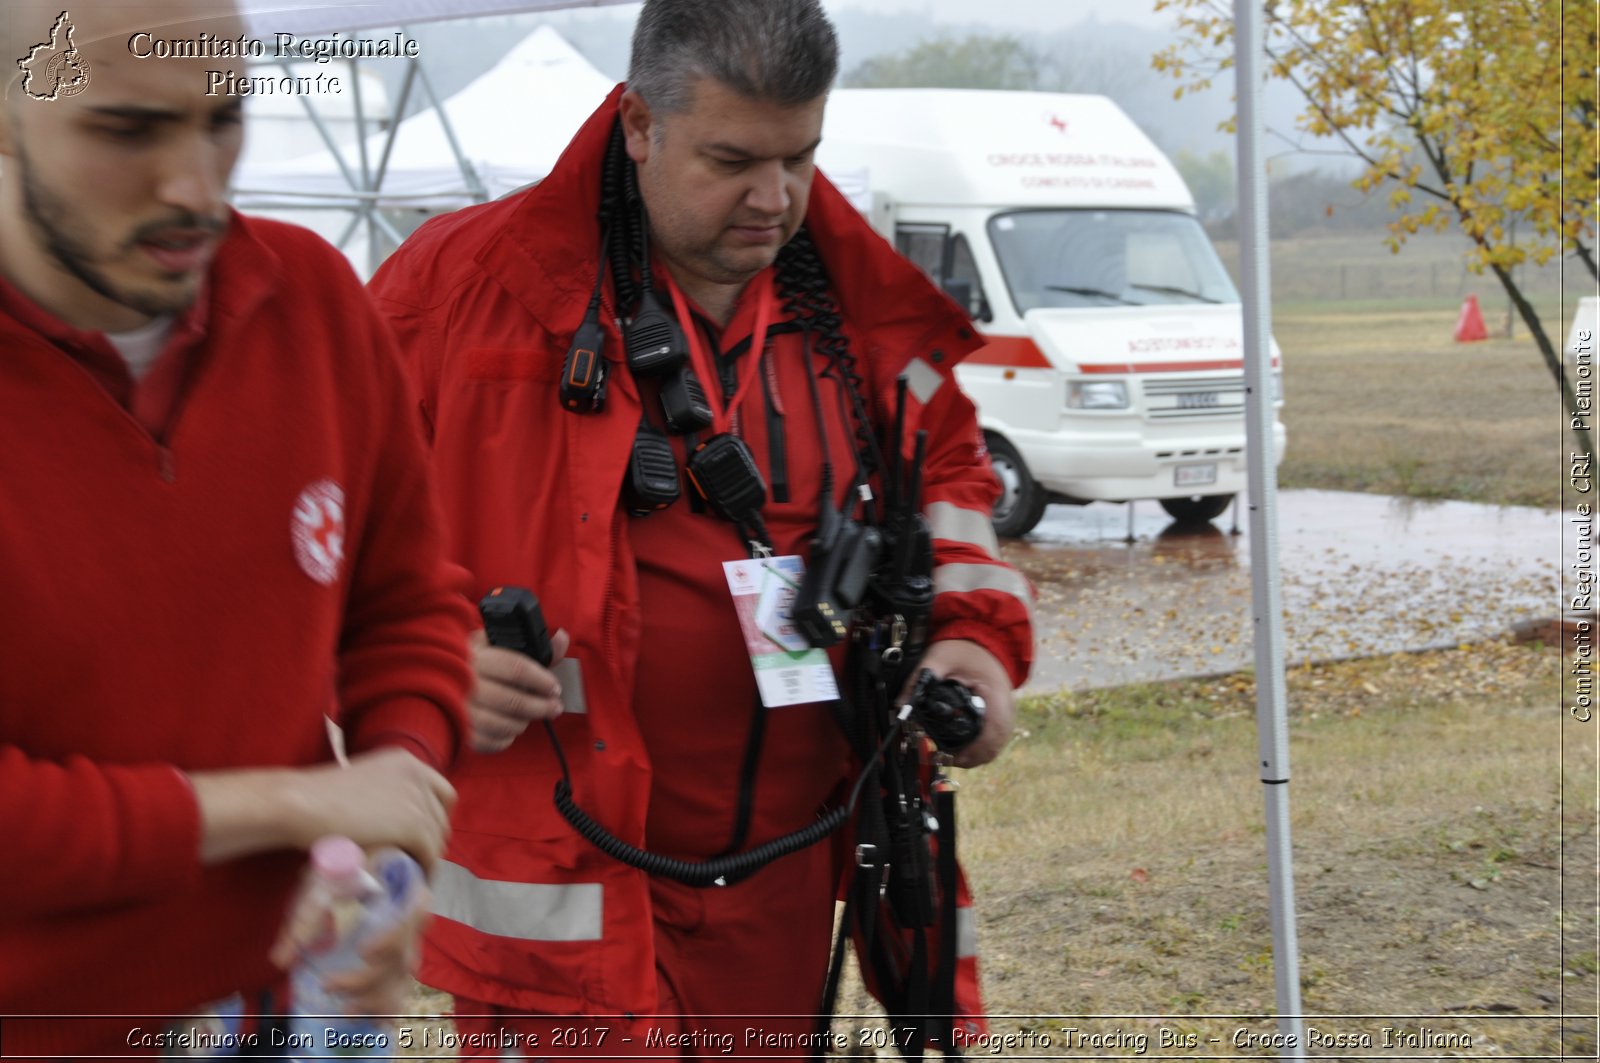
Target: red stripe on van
{"type": "Point", "coordinates": [1166, 367]}
{"type": "Point", "coordinates": [1020, 352]}
{"type": "Point", "coordinates": [1016, 351]}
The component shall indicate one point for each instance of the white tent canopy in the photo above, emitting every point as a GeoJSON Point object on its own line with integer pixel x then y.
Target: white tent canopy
{"type": "Point", "coordinates": [511, 125]}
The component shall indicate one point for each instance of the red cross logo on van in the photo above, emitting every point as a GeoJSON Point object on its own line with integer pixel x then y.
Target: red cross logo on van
{"type": "Point", "coordinates": [316, 527]}
{"type": "Point", "coordinates": [1059, 123]}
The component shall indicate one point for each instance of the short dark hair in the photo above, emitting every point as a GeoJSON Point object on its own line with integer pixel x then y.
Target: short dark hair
{"type": "Point", "coordinates": [782, 51]}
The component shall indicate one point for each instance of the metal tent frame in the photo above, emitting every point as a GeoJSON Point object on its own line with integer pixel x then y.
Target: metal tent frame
{"type": "Point", "coordinates": [1267, 598]}
{"type": "Point", "coordinates": [365, 195]}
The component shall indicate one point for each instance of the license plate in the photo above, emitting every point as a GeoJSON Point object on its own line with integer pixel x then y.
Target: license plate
{"type": "Point", "coordinates": [1196, 475]}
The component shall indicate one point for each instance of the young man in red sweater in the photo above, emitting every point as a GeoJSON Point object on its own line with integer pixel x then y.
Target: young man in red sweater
{"type": "Point", "coordinates": [215, 529]}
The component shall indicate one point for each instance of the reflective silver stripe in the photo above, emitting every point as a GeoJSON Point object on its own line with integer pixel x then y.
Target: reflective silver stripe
{"type": "Point", "coordinates": [529, 911]}
{"type": "Point", "coordinates": [950, 521]}
{"type": "Point", "coordinates": [966, 934]}
{"type": "Point", "coordinates": [959, 579]}
{"type": "Point", "coordinates": [923, 379]}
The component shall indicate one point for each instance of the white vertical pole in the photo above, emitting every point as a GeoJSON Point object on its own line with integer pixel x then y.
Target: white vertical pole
{"type": "Point", "coordinates": [1267, 597]}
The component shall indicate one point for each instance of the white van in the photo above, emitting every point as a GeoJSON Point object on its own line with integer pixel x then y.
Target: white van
{"type": "Point", "coordinates": [1115, 365]}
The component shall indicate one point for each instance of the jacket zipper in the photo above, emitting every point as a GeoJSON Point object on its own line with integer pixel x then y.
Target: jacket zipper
{"type": "Point", "coordinates": [166, 465]}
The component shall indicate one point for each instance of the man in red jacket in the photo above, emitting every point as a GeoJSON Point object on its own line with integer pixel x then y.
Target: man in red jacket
{"type": "Point", "coordinates": [696, 188]}
{"type": "Point", "coordinates": [216, 531]}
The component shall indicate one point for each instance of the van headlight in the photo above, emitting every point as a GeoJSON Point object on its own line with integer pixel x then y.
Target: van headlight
{"type": "Point", "coordinates": [1097, 395]}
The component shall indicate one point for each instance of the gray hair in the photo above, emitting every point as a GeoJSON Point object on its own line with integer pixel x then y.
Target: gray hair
{"type": "Point", "coordinates": [780, 51]}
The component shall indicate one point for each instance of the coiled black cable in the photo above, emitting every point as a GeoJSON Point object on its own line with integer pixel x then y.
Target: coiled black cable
{"type": "Point", "coordinates": [619, 218]}
{"type": "Point", "coordinates": [723, 870]}
{"type": "Point", "coordinates": [808, 295]}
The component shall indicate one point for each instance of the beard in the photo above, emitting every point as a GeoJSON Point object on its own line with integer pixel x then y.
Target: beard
{"type": "Point", "coordinates": [72, 247]}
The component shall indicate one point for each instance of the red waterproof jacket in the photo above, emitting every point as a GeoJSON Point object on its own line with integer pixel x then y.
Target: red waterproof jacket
{"type": "Point", "coordinates": [485, 302]}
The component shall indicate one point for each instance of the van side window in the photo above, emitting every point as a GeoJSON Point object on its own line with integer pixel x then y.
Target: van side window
{"type": "Point", "coordinates": [948, 262]}
{"type": "Point", "coordinates": [964, 269]}
{"type": "Point", "coordinates": [924, 246]}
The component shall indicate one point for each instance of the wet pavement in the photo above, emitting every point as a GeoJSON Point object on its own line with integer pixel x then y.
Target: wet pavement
{"type": "Point", "coordinates": [1361, 575]}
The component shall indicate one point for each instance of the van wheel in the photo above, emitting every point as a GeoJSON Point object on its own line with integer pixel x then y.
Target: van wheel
{"type": "Point", "coordinates": [1022, 500]}
{"type": "Point", "coordinates": [1196, 509]}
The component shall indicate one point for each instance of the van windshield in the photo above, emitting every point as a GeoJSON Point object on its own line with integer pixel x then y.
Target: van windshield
{"type": "Point", "coordinates": [1070, 258]}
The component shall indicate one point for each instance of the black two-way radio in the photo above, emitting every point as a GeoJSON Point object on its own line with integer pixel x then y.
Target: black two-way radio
{"type": "Point", "coordinates": [512, 620]}
{"type": "Point", "coordinates": [684, 402]}
{"type": "Point", "coordinates": [725, 475]}
{"type": "Point", "coordinates": [652, 480]}
{"type": "Point", "coordinates": [843, 554]}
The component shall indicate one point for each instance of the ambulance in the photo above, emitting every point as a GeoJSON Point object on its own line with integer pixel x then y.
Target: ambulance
{"type": "Point", "coordinates": [1114, 369]}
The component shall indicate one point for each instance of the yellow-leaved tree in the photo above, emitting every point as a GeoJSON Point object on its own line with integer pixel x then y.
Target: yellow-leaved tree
{"type": "Point", "coordinates": [1473, 114]}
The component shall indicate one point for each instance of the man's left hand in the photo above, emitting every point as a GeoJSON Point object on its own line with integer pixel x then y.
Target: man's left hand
{"type": "Point", "coordinates": [977, 669]}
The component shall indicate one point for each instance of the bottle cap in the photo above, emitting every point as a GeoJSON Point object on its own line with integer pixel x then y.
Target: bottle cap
{"type": "Point", "coordinates": [339, 861]}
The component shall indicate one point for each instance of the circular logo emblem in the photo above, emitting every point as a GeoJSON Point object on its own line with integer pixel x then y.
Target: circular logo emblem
{"type": "Point", "coordinates": [67, 74]}
{"type": "Point", "coordinates": [317, 530]}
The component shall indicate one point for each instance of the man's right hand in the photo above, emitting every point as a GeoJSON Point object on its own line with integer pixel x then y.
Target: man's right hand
{"type": "Point", "coordinates": [385, 797]}
{"type": "Point", "coordinates": [511, 691]}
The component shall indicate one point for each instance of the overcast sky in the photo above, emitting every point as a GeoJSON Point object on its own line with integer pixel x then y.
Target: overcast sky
{"type": "Point", "coordinates": [1037, 15]}
{"type": "Point", "coordinates": [1041, 15]}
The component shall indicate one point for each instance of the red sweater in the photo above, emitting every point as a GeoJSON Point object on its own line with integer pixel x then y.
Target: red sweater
{"type": "Point", "coordinates": [196, 601]}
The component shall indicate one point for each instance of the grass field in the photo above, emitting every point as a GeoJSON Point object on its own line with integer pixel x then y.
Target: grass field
{"type": "Point", "coordinates": [1380, 397]}
{"type": "Point", "coordinates": [1118, 852]}
{"type": "Point", "coordinates": [1383, 400]}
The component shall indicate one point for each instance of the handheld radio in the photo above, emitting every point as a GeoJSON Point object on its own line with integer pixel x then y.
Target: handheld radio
{"type": "Point", "coordinates": [513, 621]}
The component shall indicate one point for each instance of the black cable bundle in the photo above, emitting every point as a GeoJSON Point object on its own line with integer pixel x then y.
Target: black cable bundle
{"type": "Point", "coordinates": [651, 336]}
{"type": "Point", "coordinates": [808, 296]}
{"type": "Point", "coordinates": [620, 219]}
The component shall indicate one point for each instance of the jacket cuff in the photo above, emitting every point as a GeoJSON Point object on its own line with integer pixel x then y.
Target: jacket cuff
{"type": "Point", "coordinates": [162, 830]}
{"type": "Point", "coordinates": [414, 724]}
{"type": "Point", "coordinates": [985, 635]}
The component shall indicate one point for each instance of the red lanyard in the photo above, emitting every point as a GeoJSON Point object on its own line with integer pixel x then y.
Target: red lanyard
{"type": "Point", "coordinates": [722, 416]}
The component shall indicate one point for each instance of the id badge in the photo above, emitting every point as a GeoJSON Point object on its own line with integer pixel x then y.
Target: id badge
{"type": "Point", "coordinates": [788, 670]}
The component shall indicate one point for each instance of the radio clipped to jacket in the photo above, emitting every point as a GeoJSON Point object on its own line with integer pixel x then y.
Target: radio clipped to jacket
{"type": "Point", "coordinates": [583, 374]}
{"type": "Point", "coordinates": [725, 475]}
{"type": "Point", "coordinates": [843, 555]}
{"type": "Point", "coordinates": [652, 480]}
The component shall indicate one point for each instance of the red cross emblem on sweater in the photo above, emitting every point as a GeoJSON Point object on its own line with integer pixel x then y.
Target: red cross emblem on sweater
{"type": "Point", "coordinates": [317, 529]}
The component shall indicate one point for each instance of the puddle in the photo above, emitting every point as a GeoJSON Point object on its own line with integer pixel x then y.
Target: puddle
{"type": "Point", "coordinates": [1360, 575]}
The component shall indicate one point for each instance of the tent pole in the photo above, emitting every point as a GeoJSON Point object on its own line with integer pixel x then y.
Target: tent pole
{"type": "Point", "coordinates": [474, 185]}
{"type": "Point", "coordinates": [398, 113]}
{"type": "Point", "coordinates": [1267, 597]}
{"type": "Point", "coordinates": [368, 208]}
{"type": "Point", "coordinates": [322, 130]}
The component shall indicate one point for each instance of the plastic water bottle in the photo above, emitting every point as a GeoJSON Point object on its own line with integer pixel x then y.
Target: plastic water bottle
{"type": "Point", "coordinates": [352, 906]}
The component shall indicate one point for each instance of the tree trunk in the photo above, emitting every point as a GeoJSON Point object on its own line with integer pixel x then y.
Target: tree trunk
{"type": "Point", "coordinates": [1556, 363]}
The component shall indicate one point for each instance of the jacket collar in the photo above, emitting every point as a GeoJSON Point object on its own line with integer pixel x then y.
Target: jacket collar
{"type": "Point", "coordinates": [546, 256]}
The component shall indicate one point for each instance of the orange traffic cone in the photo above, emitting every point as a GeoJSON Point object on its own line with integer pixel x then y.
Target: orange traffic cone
{"type": "Point", "coordinates": [1469, 326]}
